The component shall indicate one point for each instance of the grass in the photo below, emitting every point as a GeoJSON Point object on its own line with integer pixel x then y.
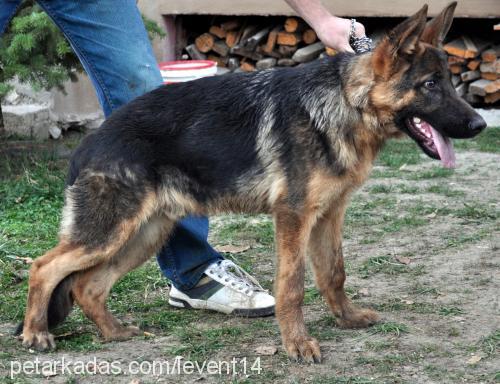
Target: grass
{"type": "Point", "coordinates": [386, 265]}
{"type": "Point", "coordinates": [487, 141]}
{"type": "Point", "coordinates": [389, 328]}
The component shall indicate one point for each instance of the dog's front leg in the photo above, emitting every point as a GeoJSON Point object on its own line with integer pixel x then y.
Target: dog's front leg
{"type": "Point", "coordinates": [292, 233]}
{"type": "Point", "coordinates": [325, 251]}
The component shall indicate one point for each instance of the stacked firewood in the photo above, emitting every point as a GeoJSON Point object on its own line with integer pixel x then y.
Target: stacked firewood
{"type": "Point", "coordinates": [239, 46]}
{"type": "Point", "coordinates": [475, 65]}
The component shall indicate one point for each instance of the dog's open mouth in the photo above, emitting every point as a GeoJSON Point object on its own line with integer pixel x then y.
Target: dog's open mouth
{"type": "Point", "coordinates": [431, 141]}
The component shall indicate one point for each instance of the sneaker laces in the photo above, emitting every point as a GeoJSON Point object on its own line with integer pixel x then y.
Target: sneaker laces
{"type": "Point", "coordinates": [230, 273]}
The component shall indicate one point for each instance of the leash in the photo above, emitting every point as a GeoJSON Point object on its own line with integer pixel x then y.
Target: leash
{"type": "Point", "coordinates": [359, 44]}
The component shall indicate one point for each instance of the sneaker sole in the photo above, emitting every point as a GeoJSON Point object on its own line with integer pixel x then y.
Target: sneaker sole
{"type": "Point", "coordinates": [202, 304]}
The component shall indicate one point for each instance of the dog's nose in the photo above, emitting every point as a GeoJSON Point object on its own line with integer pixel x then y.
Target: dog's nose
{"type": "Point", "coordinates": [477, 124]}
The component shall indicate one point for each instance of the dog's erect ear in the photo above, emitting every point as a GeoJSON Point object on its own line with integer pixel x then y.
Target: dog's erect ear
{"type": "Point", "coordinates": [400, 43]}
{"type": "Point", "coordinates": [435, 31]}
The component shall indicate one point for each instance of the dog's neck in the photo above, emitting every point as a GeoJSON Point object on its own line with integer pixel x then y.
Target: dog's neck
{"type": "Point", "coordinates": [339, 106]}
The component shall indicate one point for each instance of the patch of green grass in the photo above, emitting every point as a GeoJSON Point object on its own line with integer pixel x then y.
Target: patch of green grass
{"type": "Point", "coordinates": [261, 231]}
{"type": "Point", "coordinates": [443, 189]}
{"type": "Point", "coordinates": [419, 289]}
{"type": "Point", "coordinates": [398, 305]}
{"type": "Point", "coordinates": [450, 311]}
{"type": "Point", "coordinates": [381, 188]}
{"type": "Point", "coordinates": [475, 212]}
{"type": "Point", "coordinates": [432, 173]}
{"type": "Point", "coordinates": [491, 343]}
{"type": "Point", "coordinates": [344, 380]}
{"type": "Point", "coordinates": [31, 198]}
{"type": "Point", "coordinates": [486, 141]}
{"type": "Point", "coordinates": [312, 295]}
{"type": "Point", "coordinates": [386, 265]}
{"type": "Point", "coordinates": [389, 328]}
{"type": "Point", "coordinates": [83, 342]}
{"type": "Point", "coordinates": [399, 152]}
{"type": "Point", "coordinates": [200, 344]}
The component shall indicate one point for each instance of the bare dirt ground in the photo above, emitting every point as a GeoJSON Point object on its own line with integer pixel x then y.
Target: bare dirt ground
{"type": "Point", "coordinates": [422, 247]}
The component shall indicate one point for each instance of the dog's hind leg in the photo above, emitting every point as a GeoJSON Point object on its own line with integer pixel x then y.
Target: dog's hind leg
{"type": "Point", "coordinates": [77, 251]}
{"type": "Point", "coordinates": [325, 251]}
{"type": "Point", "coordinates": [292, 233]}
{"type": "Point", "coordinates": [91, 287]}
{"type": "Point", "coordinates": [46, 273]}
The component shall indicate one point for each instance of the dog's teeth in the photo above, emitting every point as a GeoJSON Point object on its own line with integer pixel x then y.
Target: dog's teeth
{"type": "Point", "coordinates": [417, 120]}
{"type": "Point", "coordinates": [418, 125]}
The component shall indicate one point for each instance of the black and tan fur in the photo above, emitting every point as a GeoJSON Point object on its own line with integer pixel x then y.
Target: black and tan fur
{"type": "Point", "coordinates": [293, 142]}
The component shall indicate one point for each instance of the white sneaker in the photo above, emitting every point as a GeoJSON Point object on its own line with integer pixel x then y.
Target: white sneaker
{"type": "Point", "coordinates": [226, 288]}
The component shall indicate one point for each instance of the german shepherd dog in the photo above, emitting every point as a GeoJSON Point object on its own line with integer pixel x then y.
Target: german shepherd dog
{"type": "Point", "coordinates": [292, 142]}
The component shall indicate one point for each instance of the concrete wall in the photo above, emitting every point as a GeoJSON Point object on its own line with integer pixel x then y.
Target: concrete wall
{"type": "Point", "coordinates": [370, 8]}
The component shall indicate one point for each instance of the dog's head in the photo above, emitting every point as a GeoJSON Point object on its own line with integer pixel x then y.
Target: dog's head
{"type": "Point", "coordinates": [413, 84]}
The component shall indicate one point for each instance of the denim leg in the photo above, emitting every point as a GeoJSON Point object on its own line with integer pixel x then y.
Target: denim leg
{"type": "Point", "coordinates": [110, 39]}
{"type": "Point", "coordinates": [189, 239]}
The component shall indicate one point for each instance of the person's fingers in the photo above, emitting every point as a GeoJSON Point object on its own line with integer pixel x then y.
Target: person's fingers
{"type": "Point", "coordinates": [360, 30]}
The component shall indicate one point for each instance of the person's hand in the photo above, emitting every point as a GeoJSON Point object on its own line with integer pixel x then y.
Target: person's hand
{"type": "Point", "coordinates": [334, 33]}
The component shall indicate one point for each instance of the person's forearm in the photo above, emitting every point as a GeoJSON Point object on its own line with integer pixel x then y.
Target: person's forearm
{"type": "Point", "coordinates": [312, 11]}
{"type": "Point", "coordinates": [333, 31]}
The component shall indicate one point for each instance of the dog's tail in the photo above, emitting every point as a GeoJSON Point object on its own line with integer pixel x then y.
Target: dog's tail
{"type": "Point", "coordinates": [60, 304]}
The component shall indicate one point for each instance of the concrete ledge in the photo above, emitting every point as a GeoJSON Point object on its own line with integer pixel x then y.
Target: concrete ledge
{"type": "Point", "coordinates": [369, 8]}
{"type": "Point", "coordinates": [29, 120]}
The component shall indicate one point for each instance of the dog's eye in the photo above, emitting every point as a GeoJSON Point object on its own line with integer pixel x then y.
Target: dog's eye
{"type": "Point", "coordinates": [430, 84]}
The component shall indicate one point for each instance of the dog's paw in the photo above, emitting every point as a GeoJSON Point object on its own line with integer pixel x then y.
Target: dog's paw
{"type": "Point", "coordinates": [305, 349]}
{"type": "Point", "coordinates": [124, 333]}
{"type": "Point", "coordinates": [41, 341]}
{"type": "Point", "coordinates": [358, 318]}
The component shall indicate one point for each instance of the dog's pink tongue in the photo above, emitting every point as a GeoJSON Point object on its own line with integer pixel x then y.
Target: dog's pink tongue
{"type": "Point", "coordinates": [445, 148]}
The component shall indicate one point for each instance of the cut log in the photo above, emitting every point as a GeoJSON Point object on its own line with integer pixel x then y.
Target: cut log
{"type": "Point", "coordinates": [470, 76]}
{"type": "Point", "coordinates": [474, 46]}
{"type": "Point", "coordinates": [247, 66]}
{"type": "Point", "coordinates": [492, 97]}
{"type": "Point", "coordinates": [292, 24]}
{"type": "Point", "coordinates": [308, 53]}
{"type": "Point", "coordinates": [194, 54]}
{"type": "Point", "coordinates": [491, 54]}
{"type": "Point", "coordinates": [493, 67]}
{"type": "Point", "coordinates": [233, 63]}
{"type": "Point", "coordinates": [455, 80]}
{"type": "Point", "coordinates": [231, 38]}
{"type": "Point", "coordinates": [482, 87]}
{"type": "Point", "coordinates": [456, 48]}
{"type": "Point", "coordinates": [266, 63]}
{"type": "Point", "coordinates": [221, 61]}
{"type": "Point", "coordinates": [254, 40]}
{"type": "Point", "coordinates": [456, 69]}
{"type": "Point", "coordinates": [218, 31]}
{"type": "Point", "coordinates": [230, 25]}
{"type": "Point", "coordinates": [461, 89]}
{"type": "Point", "coordinates": [456, 60]}
{"type": "Point", "coordinates": [205, 42]}
{"type": "Point", "coordinates": [274, 53]}
{"type": "Point", "coordinates": [286, 62]}
{"type": "Point", "coordinates": [473, 64]}
{"type": "Point", "coordinates": [286, 51]}
{"type": "Point", "coordinates": [489, 76]}
{"type": "Point", "coordinates": [309, 36]}
{"type": "Point", "coordinates": [272, 38]}
{"type": "Point", "coordinates": [238, 50]}
{"type": "Point", "coordinates": [290, 39]}
{"type": "Point", "coordinates": [221, 48]}
{"type": "Point", "coordinates": [330, 51]}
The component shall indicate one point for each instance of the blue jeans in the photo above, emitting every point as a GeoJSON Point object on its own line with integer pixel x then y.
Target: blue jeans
{"type": "Point", "coordinates": [111, 42]}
